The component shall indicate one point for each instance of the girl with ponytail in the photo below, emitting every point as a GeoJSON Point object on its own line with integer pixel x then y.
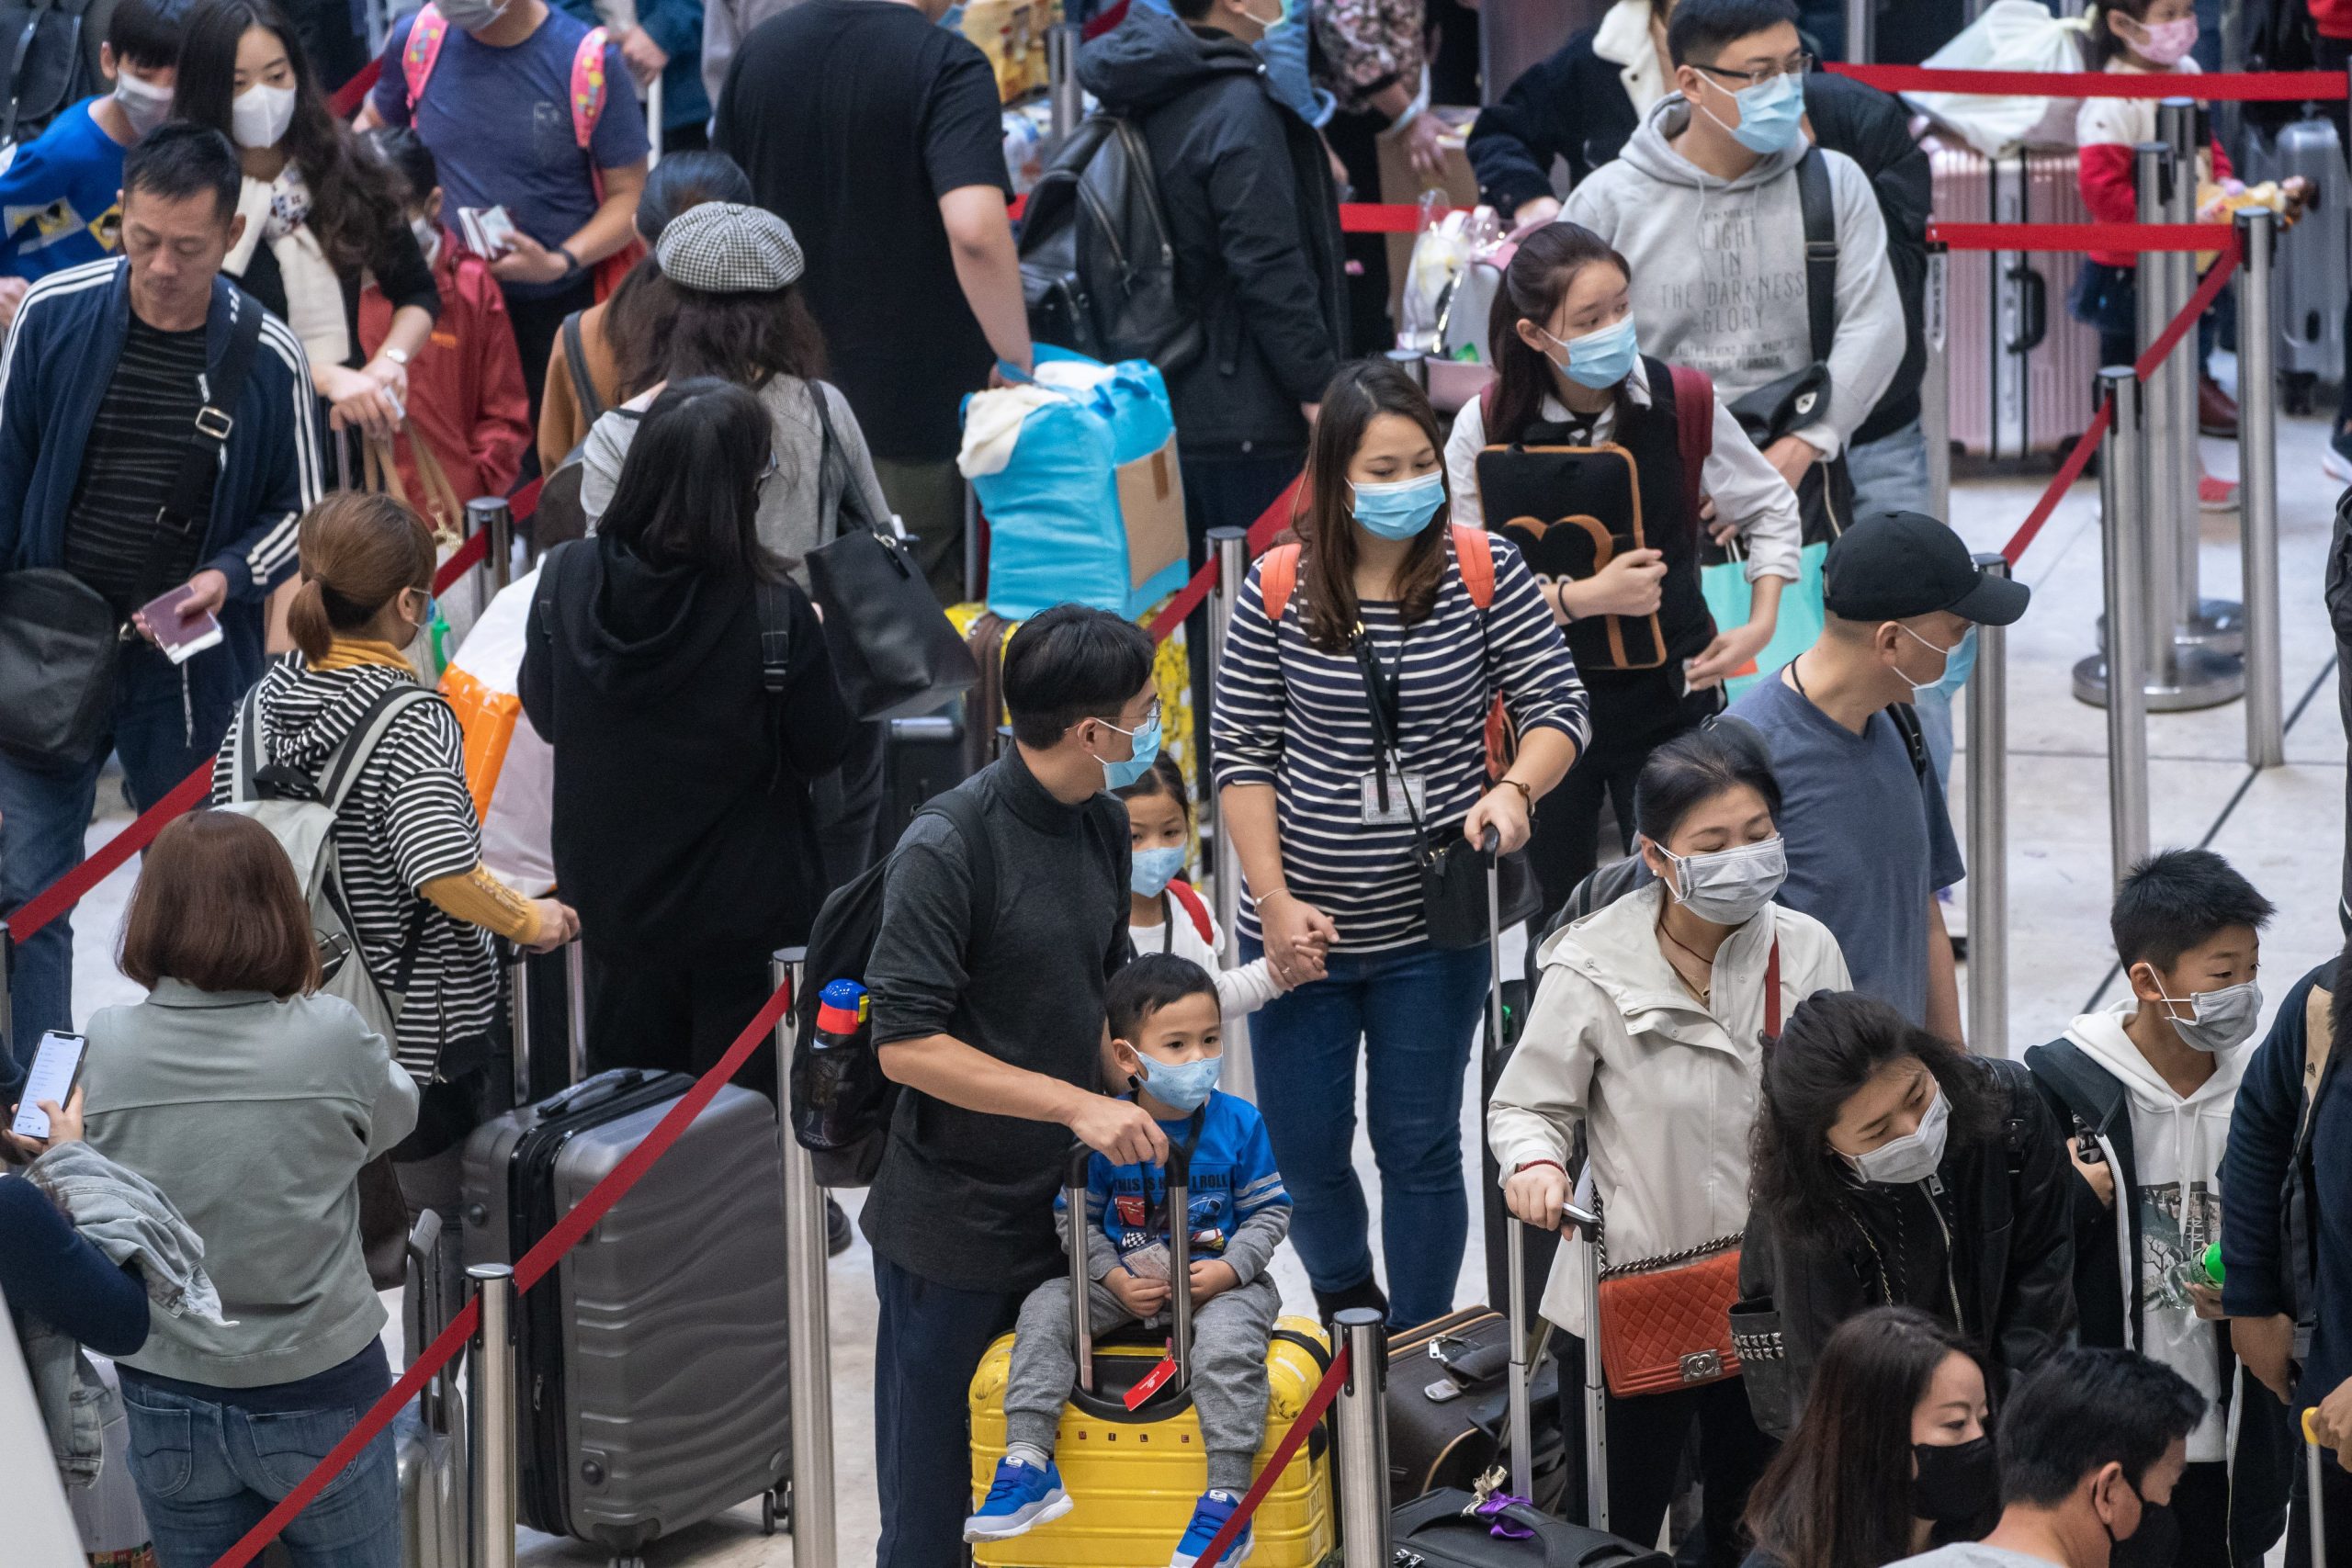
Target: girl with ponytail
{"type": "Point", "coordinates": [422, 906]}
{"type": "Point", "coordinates": [1570, 375]}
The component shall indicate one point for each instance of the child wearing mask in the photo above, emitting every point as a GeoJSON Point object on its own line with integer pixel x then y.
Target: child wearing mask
{"type": "Point", "coordinates": [1167, 1036]}
{"type": "Point", "coordinates": [58, 194]}
{"type": "Point", "coordinates": [1166, 914]}
{"type": "Point", "coordinates": [2146, 1086]}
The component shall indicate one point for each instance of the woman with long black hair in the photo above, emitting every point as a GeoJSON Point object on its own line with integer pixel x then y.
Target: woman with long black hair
{"type": "Point", "coordinates": [1569, 373]}
{"type": "Point", "coordinates": [321, 209]}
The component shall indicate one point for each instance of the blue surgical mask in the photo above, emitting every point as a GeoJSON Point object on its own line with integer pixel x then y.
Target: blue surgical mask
{"type": "Point", "coordinates": [1150, 870]}
{"type": "Point", "coordinates": [1770, 115]}
{"type": "Point", "coordinates": [1401, 509]}
{"type": "Point", "coordinates": [1119, 776]}
{"type": "Point", "coordinates": [1600, 359]}
{"type": "Point", "coordinates": [1181, 1085]}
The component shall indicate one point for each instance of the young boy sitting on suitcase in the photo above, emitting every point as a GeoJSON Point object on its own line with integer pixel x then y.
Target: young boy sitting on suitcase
{"type": "Point", "coordinates": [1165, 1032]}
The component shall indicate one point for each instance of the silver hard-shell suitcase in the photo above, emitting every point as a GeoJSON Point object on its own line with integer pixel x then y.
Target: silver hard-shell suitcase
{"type": "Point", "coordinates": [429, 1436]}
{"type": "Point", "coordinates": [651, 1363]}
{"type": "Point", "coordinates": [2314, 268]}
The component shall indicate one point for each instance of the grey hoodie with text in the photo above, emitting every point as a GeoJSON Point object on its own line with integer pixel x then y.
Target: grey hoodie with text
{"type": "Point", "coordinates": [1719, 269]}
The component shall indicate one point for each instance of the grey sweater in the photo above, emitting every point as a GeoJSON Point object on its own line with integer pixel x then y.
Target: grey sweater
{"type": "Point", "coordinates": [253, 1116]}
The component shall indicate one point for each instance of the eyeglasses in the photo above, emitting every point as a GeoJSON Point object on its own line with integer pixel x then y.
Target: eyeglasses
{"type": "Point", "coordinates": [1794, 65]}
{"type": "Point", "coordinates": [1150, 717]}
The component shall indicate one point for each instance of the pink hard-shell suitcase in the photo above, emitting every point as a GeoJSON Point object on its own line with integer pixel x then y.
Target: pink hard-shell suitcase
{"type": "Point", "coordinates": [2022, 369]}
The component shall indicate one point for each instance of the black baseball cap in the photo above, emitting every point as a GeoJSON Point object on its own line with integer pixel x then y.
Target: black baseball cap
{"type": "Point", "coordinates": [1894, 565]}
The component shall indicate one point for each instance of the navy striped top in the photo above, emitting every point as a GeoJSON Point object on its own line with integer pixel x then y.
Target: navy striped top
{"type": "Point", "coordinates": [1293, 716]}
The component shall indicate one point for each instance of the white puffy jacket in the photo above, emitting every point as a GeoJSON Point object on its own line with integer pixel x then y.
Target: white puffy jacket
{"type": "Point", "coordinates": [1665, 1087]}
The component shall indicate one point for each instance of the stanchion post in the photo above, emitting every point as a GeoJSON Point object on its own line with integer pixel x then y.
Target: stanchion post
{"type": "Point", "coordinates": [490, 1446]}
{"type": "Point", "coordinates": [1068, 102]}
{"type": "Point", "coordinates": [2120, 477]}
{"type": "Point", "coordinates": [2161, 502]}
{"type": "Point", "coordinates": [2266, 738]}
{"type": "Point", "coordinates": [1988, 835]}
{"type": "Point", "coordinates": [491, 516]}
{"type": "Point", "coordinates": [575, 1010]}
{"type": "Point", "coordinates": [1363, 1440]}
{"type": "Point", "coordinates": [1935, 384]}
{"type": "Point", "coordinates": [1229, 548]}
{"type": "Point", "coordinates": [2212, 624]}
{"type": "Point", "coordinates": [1861, 28]}
{"type": "Point", "coordinates": [808, 1308]}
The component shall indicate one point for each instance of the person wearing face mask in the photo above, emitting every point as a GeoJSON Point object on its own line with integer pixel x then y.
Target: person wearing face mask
{"type": "Point", "coordinates": [321, 211]}
{"type": "Point", "coordinates": [1166, 1041]}
{"type": "Point", "coordinates": [1869, 838]}
{"type": "Point", "coordinates": [1893, 1169]}
{"type": "Point", "coordinates": [1569, 372]}
{"type": "Point", "coordinates": [1373, 57]}
{"type": "Point", "coordinates": [1894, 1454]}
{"type": "Point", "coordinates": [2145, 38]}
{"type": "Point", "coordinates": [1165, 914]}
{"type": "Point", "coordinates": [2091, 1447]}
{"type": "Point", "coordinates": [1350, 727]}
{"type": "Point", "coordinates": [1649, 1028]}
{"type": "Point", "coordinates": [2148, 1084]}
{"type": "Point", "coordinates": [423, 907]}
{"type": "Point", "coordinates": [1707, 205]}
{"type": "Point", "coordinates": [992, 1020]}
{"type": "Point", "coordinates": [61, 190]}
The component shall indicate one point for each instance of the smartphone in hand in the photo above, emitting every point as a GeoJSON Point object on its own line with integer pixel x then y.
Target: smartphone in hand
{"type": "Point", "coordinates": [57, 1067]}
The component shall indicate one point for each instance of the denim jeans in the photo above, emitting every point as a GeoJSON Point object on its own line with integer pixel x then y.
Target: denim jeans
{"type": "Point", "coordinates": [1415, 1011]}
{"type": "Point", "coordinates": [1890, 474]}
{"type": "Point", "coordinates": [167, 722]}
{"type": "Point", "coordinates": [207, 1473]}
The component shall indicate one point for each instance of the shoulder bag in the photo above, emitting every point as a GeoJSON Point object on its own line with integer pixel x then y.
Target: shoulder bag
{"type": "Point", "coordinates": [60, 639]}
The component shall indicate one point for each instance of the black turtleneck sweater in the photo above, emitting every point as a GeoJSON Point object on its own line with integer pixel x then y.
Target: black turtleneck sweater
{"type": "Point", "coordinates": [963, 1199]}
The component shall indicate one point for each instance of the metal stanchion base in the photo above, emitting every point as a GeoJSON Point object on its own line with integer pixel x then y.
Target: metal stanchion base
{"type": "Point", "coordinates": [2218, 627]}
{"type": "Point", "coordinates": [2202, 679]}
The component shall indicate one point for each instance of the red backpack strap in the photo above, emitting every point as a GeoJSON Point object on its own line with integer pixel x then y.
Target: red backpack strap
{"type": "Point", "coordinates": [588, 90]}
{"type": "Point", "coordinates": [1277, 576]}
{"type": "Point", "coordinates": [425, 35]}
{"type": "Point", "coordinates": [1772, 996]}
{"type": "Point", "coordinates": [1474, 554]}
{"type": "Point", "coordinates": [1487, 395]}
{"type": "Point", "coordinates": [1182, 891]}
{"type": "Point", "coordinates": [1694, 430]}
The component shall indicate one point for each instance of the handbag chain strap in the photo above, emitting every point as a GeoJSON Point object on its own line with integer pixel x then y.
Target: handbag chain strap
{"type": "Point", "coordinates": [1651, 1264]}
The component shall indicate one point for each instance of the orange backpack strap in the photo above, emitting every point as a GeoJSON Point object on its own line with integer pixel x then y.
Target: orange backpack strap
{"type": "Point", "coordinates": [1182, 891]}
{"type": "Point", "coordinates": [1474, 553]}
{"type": "Point", "coordinates": [1277, 576]}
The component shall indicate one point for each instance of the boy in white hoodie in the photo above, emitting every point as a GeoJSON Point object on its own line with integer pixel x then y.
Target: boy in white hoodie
{"type": "Point", "coordinates": [2146, 1086]}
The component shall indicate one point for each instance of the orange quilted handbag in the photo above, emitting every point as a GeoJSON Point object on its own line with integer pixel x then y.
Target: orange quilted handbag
{"type": "Point", "coordinates": [1666, 1322]}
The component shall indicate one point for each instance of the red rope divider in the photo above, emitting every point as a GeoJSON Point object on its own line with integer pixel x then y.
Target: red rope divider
{"type": "Point", "coordinates": [2080, 236]}
{"type": "Point", "coordinates": [1316, 1403]}
{"type": "Point", "coordinates": [529, 1270]}
{"type": "Point", "coordinates": [352, 94]}
{"type": "Point", "coordinates": [1270, 521]}
{"type": "Point", "coordinates": [2241, 86]}
{"type": "Point", "coordinates": [2199, 302]}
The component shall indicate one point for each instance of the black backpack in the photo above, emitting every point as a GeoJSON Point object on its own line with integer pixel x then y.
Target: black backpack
{"type": "Point", "coordinates": [845, 1147]}
{"type": "Point", "coordinates": [49, 62]}
{"type": "Point", "coordinates": [1098, 267]}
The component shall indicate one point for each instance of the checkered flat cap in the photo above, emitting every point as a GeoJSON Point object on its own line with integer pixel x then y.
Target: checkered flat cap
{"type": "Point", "coordinates": [724, 247]}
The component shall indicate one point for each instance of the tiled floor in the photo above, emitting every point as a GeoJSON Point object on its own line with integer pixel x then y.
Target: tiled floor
{"type": "Point", "coordinates": [2282, 827]}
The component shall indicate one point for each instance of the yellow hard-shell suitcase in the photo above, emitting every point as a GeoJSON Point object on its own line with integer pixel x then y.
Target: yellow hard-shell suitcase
{"type": "Point", "coordinates": [1135, 1476]}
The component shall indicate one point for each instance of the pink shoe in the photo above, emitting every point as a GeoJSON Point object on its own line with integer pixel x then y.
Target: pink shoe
{"type": "Point", "coordinates": [2216, 495]}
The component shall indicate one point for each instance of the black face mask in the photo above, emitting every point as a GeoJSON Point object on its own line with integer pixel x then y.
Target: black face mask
{"type": "Point", "coordinates": [1956, 1484]}
{"type": "Point", "coordinates": [2155, 1544]}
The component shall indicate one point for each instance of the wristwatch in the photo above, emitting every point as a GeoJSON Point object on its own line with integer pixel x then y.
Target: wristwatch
{"type": "Point", "coordinates": [570, 261]}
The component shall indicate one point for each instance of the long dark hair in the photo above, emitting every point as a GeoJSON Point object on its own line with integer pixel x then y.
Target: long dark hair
{"type": "Point", "coordinates": [673, 332]}
{"type": "Point", "coordinates": [1838, 1492]}
{"type": "Point", "coordinates": [1834, 1043]}
{"type": "Point", "coordinates": [354, 201]}
{"type": "Point", "coordinates": [689, 491]}
{"type": "Point", "coordinates": [1538, 278]}
{"type": "Point", "coordinates": [1690, 770]}
{"type": "Point", "coordinates": [636, 322]}
{"type": "Point", "coordinates": [1362, 391]}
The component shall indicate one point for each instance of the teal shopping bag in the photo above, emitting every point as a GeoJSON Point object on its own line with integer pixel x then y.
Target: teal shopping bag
{"type": "Point", "coordinates": [1726, 586]}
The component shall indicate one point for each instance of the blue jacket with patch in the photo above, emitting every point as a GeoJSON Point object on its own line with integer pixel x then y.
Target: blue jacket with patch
{"type": "Point", "coordinates": [1239, 1209]}
{"type": "Point", "coordinates": [61, 355]}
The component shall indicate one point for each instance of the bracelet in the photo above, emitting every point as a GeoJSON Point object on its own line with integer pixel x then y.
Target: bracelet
{"type": "Point", "coordinates": [1526, 1165]}
{"type": "Point", "coordinates": [1525, 794]}
{"type": "Point", "coordinates": [570, 261]}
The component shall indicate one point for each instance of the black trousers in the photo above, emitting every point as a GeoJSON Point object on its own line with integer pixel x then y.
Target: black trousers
{"type": "Point", "coordinates": [536, 323]}
{"type": "Point", "coordinates": [1354, 137]}
{"type": "Point", "coordinates": [2338, 593]}
{"type": "Point", "coordinates": [1566, 842]}
{"type": "Point", "coordinates": [676, 1017]}
{"type": "Point", "coordinates": [928, 1342]}
{"type": "Point", "coordinates": [1646, 1435]}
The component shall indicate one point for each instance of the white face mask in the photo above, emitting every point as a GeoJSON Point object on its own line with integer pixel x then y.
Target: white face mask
{"type": "Point", "coordinates": [259, 116]}
{"type": "Point", "coordinates": [1730, 886]}
{"type": "Point", "coordinates": [1911, 1157]}
{"type": "Point", "coordinates": [1941, 672]}
{"type": "Point", "coordinates": [2218, 1020]}
{"type": "Point", "coordinates": [428, 238]}
{"type": "Point", "coordinates": [144, 105]}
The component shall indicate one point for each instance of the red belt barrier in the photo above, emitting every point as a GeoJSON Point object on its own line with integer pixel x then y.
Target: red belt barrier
{"type": "Point", "coordinates": [1316, 1403]}
{"type": "Point", "coordinates": [462, 560]}
{"type": "Point", "coordinates": [529, 1270]}
{"type": "Point", "coordinates": [1102, 24]}
{"type": "Point", "coordinates": [2242, 86]}
{"type": "Point", "coordinates": [1270, 521]}
{"type": "Point", "coordinates": [2081, 236]}
{"type": "Point", "coordinates": [352, 94]}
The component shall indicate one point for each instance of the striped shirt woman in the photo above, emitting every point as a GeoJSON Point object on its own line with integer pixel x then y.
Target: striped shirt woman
{"type": "Point", "coordinates": [1325, 840]}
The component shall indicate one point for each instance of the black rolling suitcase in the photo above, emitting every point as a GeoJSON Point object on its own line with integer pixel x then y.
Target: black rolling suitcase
{"type": "Point", "coordinates": [1443, 1530]}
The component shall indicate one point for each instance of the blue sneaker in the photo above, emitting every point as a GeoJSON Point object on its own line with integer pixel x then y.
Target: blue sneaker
{"type": "Point", "coordinates": [1208, 1517]}
{"type": "Point", "coordinates": [1021, 1499]}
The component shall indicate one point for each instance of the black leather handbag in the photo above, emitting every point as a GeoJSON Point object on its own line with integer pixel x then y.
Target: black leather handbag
{"type": "Point", "coordinates": [895, 652]}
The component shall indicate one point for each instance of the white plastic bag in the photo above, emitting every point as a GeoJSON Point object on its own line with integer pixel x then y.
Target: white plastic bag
{"type": "Point", "coordinates": [509, 769]}
{"type": "Point", "coordinates": [2012, 35]}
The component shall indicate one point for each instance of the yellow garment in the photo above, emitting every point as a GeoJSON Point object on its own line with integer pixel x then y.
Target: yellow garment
{"type": "Point", "coordinates": [481, 899]}
{"type": "Point", "coordinates": [349, 653]}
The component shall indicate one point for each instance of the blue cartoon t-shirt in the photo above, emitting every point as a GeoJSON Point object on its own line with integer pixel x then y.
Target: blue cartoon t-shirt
{"type": "Point", "coordinates": [1232, 1177]}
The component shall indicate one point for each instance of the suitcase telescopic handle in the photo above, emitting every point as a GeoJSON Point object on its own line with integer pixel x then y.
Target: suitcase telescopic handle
{"type": "Point", "coordinates": [1180, 1259]}
{"type": "Point", "coordinates": [1081, 1321]}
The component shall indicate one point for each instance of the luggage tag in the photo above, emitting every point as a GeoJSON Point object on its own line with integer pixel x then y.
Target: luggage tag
{"type": "Point", "coordinates": [1391, 797]}
{"type": "Point", "coordinates": [1151, 1384]}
